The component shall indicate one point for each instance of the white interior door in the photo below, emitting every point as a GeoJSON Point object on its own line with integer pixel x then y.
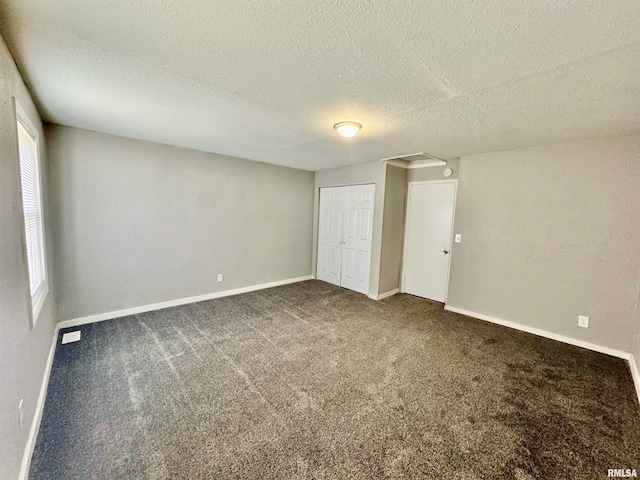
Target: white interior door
{"type": "Point", "coordinates": [358, 230]}
{"type": "Point", "coordinates": [345, 233]}
{"type": "Point", "coordinates": [427, 244]}
{"type": "Point", "coordinates": [330, 232]}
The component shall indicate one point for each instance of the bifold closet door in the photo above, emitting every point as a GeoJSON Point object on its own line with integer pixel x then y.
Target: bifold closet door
{"type": "Point", "coordinates": [330, 230]}
{"type": "Point", "coordinates": [358, 230]}
{"type": "Point", "coordinates": [345, 236]}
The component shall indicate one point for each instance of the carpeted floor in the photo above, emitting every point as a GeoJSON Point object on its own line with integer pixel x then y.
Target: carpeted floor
{"type": "Point", "coordinates": [312, 381]}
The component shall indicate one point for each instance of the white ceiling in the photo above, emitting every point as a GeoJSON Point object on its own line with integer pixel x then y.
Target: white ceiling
{"type": "Point", "coordinates": [267, 79]}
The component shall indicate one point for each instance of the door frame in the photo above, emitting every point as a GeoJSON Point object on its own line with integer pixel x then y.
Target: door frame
{"type": "Point", "coordinates": [317, 236]}
{"type": "Point", "coordinates": [407, 225]}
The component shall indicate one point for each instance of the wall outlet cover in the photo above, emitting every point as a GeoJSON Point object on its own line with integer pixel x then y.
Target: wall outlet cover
{"type": "Point", "coordinates": [583, 321]}
{"type": "Point", "coordinates": [458, 238]}
{"type": "Point", "coordinates": [220, 277]}
{"type": "Point", "coordinates": [21, 412]}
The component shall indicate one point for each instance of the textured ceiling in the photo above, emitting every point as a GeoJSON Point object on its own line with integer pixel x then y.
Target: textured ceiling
{"type": "Point", "coordinates": [267, 79]}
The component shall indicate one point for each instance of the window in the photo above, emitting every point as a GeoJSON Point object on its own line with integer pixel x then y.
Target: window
{"type": "Point", "coordinates": [32, 210]}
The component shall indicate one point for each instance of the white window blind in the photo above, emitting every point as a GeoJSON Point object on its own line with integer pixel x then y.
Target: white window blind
{"type": "Point", "coordinates": [32, 208]}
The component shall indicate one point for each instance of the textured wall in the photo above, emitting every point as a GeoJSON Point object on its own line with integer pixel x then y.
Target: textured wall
{"type": "Point", "coordinates": [393, 228]}
{"type": "Point", "coordinates": [550, 233]}
{"type": "Point", "coordinates": [635, 350]}
{"type": "Point", "coordinates": [23, 351]}
{"type": "Point", "coordinates": [367, 173]}
{"type": "Point", "coordinates": [138, 223]}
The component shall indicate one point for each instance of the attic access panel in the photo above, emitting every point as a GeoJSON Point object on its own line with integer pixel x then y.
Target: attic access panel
{"type": "Point", "coordinates": [415, 160]}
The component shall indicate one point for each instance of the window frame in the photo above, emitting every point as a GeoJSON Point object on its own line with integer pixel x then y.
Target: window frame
{"type": "Point", "coordinates": [37, 300]}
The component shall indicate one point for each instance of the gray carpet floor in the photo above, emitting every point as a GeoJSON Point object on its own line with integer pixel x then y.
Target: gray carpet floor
{"type": "Point", "coordinates": [311, 381]}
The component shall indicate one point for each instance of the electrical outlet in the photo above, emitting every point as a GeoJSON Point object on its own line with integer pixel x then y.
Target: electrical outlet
{"type": "Point", "coordinates": [21, 413]}
{"type": "Point", "coordinates": [458, 238]}
{"type": "Point", "coordinates": [583, 321]}
{"type": "Point", "coordinates": [219, 277]}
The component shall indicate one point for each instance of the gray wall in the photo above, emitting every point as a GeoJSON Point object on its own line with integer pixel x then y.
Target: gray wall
{"type": "Point", "coordinates": [23, 351]}
{"type": "Point", "coordinates": [426, 174]}
{"type": "Point", "coordinates": [357, 174]}
{"type": "Point", "coordinates": [635, 350]}
{"type": "Point", "coordinates": [138, 223]}
{"type": "Point", "coordinates": [393, 228]}
{"type": "Point", "coordinates": [550, 233]}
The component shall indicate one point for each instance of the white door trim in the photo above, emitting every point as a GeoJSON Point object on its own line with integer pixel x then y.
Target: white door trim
{"type": "Point", "coordinates": [334, 185]}
{"type": "Point", "coordinates": [407, 225]}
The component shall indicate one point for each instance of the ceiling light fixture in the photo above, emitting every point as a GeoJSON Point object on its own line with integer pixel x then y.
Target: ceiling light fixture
{"type": "Point", "coordinates": [347, 129]}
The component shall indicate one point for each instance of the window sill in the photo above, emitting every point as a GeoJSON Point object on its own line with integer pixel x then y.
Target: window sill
{"type": "Point", "coordinates": [37, 301]}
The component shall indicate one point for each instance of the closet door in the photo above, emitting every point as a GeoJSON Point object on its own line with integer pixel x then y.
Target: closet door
{"type": "Point", "coordinates": [357, 238]}
{"type": "Point", "coordinates": [345, 233]}
{"type": "Point", "coordinates": [330, 232]}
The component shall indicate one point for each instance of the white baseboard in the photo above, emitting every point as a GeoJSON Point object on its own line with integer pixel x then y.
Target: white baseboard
{"type": "Point", "coordinates": [173, 303]}
{"type": "Point", "coordinates": [542, 333]}
{"type": "Point", "coordinates": [635, 373]}
{"type": "Point", "coordinates": [37, 415]}
{"type": "Point", "coordinates": [384, 295]}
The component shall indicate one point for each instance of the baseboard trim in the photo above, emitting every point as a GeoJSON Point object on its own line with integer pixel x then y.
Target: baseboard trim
{"type": "Point", "coordinates": [635, 373]}
{"type": "Point", "coordinates": [384, 295]}
{"type": "Point", "coordinates": [37, 415]}
{"type": "Point", "coordinates": [174, 303]}
{"type": "Point", "coordinates": [542, 333]}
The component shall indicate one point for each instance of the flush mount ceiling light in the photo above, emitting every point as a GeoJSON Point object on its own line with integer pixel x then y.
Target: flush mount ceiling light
{"type": "Point", "coordinates": [347, 129]}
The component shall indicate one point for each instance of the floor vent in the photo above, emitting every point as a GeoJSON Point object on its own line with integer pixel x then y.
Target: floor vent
{"type": "Point", "coordinates": [71, 337]}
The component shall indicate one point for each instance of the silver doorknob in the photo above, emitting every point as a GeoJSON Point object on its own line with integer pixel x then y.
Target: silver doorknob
{"type": "Point", "coordinates": [445, 252]}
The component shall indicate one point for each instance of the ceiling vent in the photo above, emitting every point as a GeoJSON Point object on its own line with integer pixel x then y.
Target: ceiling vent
{"type": "Point", "coordinates": [415, 160]}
